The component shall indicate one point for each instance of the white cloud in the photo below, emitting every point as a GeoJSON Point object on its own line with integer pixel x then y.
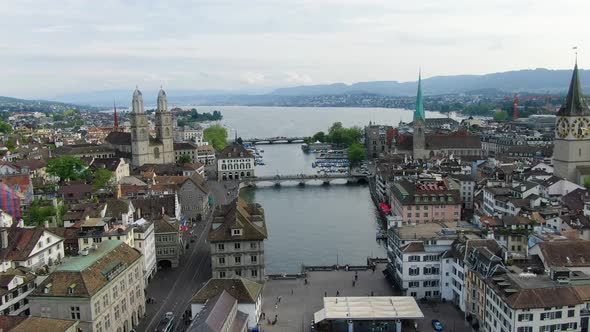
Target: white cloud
{"type": "Point", "coordinates": [252, 78]}
{"type": "Point", "coordinates": [52, 28]}
{"type": "Point", "coordinates": [120, 28]}
{"type": "Point", "coordinates": [297, 78]}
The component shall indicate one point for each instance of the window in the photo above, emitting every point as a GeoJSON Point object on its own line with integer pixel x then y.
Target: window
{"type": "Point", "coordinates": [75, 312]}
{"type": "Point", "coordinates": [97, 308]}
{"type": "Point", "coordinates": [117, 313]}
{"type": "Point", "coordinates": [238, 259]}
{"type": "Point", "coordinates": [413, 258]}
{"type": "Point", "coordinates": [239, 273]}
{"type": "Point", "coordinates": [221, 274]}
{"type": "Point", "coordinates": [252, 245]}
{"type": "Point", "coordinates": [571, 313]}
{"type": "Point", "coordinates": [525, 317]}
{"type": "Point", "coordinates": [237, 245]}
{"type": "Point", "coordinates": [413, 284]}
{"type": "Point", "coordinates": [107, 322]}
{"type": "Point", "coordinates": [221, 260]}
{"type": "Point", "coordinates": [105, 300]}
{"type": "Point", "coordinates": [253, 258]}
{"type": "Point", "coordinates": [414, 271]}
{"type": "Point", "coordinates": [115, 292]}
{"type": "Point", "coordinates": [254, 273]}
{"type": "Point", "coordinates": [236, 232]}
{"type": "Point", "coordinates": [220, 247]}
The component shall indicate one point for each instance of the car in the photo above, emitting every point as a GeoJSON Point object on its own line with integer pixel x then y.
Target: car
{"type": "Point", "coordinates": [437, 325]}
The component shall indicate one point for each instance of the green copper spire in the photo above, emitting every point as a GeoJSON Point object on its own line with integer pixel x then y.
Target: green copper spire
{"type": "Point", "coordinates": [419, 112]}
{"type": "Point", "coordinates": [574, 105]}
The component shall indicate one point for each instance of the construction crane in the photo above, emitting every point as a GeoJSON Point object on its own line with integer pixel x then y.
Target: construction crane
{"type": "Point", "coordinates": [516, 99]}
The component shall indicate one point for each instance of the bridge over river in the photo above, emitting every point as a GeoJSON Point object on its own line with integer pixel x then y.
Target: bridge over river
{"type": "Point", "coordinates": [302, 179]}
{"type": "Point", "coordinates": [274, 140]}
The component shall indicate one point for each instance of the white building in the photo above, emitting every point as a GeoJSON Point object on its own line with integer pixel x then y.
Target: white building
{"type": "Point", "coordinates": [466, 185]}
{"type": "Point", "coordinates": [414, 258]}
{"type": "Point", "coordinates": [145, 242]}
{"type": "Point", "coordinates": [234, 163]}
{"type": "Point", "coordinates": [188, 134]}
{"type": "Point", "coordinates": [247, 292]}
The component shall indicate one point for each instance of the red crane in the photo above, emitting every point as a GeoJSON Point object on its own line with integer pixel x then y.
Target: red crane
{"type": "Point", "coordinates": [515, 107]}
{"type": "Point", "coordinates": [518, 98]}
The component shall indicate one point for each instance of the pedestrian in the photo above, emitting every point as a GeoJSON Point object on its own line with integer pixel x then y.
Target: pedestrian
{"type": "Point", "coordinates": [291, 291]}
{"type": "Point", "coordinates": [306, 281]}
{"type": "Point", "coordinates": [372, 293]}
{"type": "Point", "coordinates": [353, 283]}
{"type": "Point", "coordinates": [325, 294]}
{"type": "Point", "coordinates": [356, 277]}
{"type": "Point", "coordinates": [276, 306]}
{"type": "Point", "coordinates": [337, 293]}
{"type": "Point", "coordinates": [279, 299]}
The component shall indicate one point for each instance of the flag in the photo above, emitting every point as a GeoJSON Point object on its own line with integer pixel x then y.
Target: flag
{"type": "Point", "coordinates": [183, 226]}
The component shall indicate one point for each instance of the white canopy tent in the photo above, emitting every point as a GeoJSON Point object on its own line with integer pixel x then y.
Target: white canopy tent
{"type": "Point", "coordinates": [381, 308]}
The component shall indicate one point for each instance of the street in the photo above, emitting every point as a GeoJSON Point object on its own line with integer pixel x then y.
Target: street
{"type": "Point", "coordinates": [173, 289]}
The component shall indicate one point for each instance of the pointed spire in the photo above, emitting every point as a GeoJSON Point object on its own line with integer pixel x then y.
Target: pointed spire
{"type": "Point", "coordinates": [419, 112]}
{"type": "Point", "coordinates": [575, 104]}
{"type": "Point", "coordinates": [116, 118]}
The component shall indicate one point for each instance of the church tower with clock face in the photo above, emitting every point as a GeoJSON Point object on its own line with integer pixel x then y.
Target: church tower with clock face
{"type": "Point", "coordinates": [571, 150]}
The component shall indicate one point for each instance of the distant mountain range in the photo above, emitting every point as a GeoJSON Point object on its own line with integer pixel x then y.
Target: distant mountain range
{"type": "Point", "coordinates": [505, 83]}
{"type": "Point", "coordinates": [530, 80]}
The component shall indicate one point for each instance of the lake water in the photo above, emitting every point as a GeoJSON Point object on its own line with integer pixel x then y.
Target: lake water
{"type": "Point", "coordinates": [315, 224]}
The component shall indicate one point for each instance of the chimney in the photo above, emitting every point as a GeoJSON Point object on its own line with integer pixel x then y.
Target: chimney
{"type": "Point", "coordinates": [46, 223]}
{"type": "Point", "coordinates": [4, 235]}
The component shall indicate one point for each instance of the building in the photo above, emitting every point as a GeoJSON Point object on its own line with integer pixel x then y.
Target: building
{"type": "Point", "coordinates": [118, 166]}
{"type": "Point", "coordinates": [206, 154]}
{"type": "Point", "coordinates": [139, 145]}
{"type": "Point", "coordinates": [234, 163]}
{"type": "Point", "coordinates": [145, 242]}
{"type": "Point", "coordinates": [378, 140]}
{"type": "Point", "coordinates": [102, 288]}
{"type": "Point", "coordinates": [188, 134]}
{"type": "Point", "coordinates": [237, 239]}
{"type": "Point", "coordinates": [219, 314]}
{"type": "Point", "coordinates": [194, 198]}
{"type": "Point", "coordinates": [186, 149]}
{"type": "Point", "coordinates": [571, 157]}
{"type": "Point", "coordinates": [466, 185]}
{"type": "Point", "coordinates": [247, 293]}
{"type": "Point", "coordinates": [425, 201]}
{"type": "Point", "coordinates": [169, 244]}
{"type": "Point", "coordinates": [37, 324]}
{"type": "Point", "coordinates": [414, 258]}
{"type": "Point", "coordinates": [419, 140]}
{"type": "Point", "coordinates": [30, 247]}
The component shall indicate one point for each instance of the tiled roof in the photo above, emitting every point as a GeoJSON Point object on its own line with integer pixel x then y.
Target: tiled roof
{"type": "Point", "coordinates": [117, 207]}
{"type": "Point", "coordinates": [413, 247]}
{"type": "Point", "coordinates": [41, 324]}
{"type": "Point", "coordinates": [109, 163]}
{"type": "Point", "coordinates": [151, 207]}
{"type": "Point", "coordinates": [163, 225]}
{"type": "Point", "coordinates": [118, 138]}
{"type": "Point", "coordinates": [438, 142]}
{"type": "Point", "coordinates": [566, 253]}
{"type": "Point", "coordinates": [242, 289]}
{"type": "Point", "coordinates": [185, 146]}
{"type": "Point", "coordinates": [21, 241]}
{"type": "Point", "coordinates": [88, 274]}
{"type": "Point", "coordinates": [234, 151]}
{"type": "Point", "coordinates": [7, 323]}
{"type": "Point", "coordinates": [74, 188]}
{"type": "Point", "coordinates": [543, 298]}
{"type": "Point", "coordinates": [32, 164]}
{"type": "Point", "coordinates": [238, 214]}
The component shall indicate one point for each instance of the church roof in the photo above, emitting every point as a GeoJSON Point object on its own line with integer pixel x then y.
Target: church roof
{"type": "Point", "coordinates": [118, 138]}
{"type": "Point", "coordinates": [574, 104]}
{"type": "Point", "coordinates": [419, 112]}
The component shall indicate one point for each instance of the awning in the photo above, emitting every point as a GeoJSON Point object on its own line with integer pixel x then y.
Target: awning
{"type": "Point", "coordinates": [369, 308]}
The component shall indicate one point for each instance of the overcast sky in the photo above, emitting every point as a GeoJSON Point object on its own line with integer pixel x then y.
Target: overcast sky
{"type": "Point", "coordinates": [50, 47]}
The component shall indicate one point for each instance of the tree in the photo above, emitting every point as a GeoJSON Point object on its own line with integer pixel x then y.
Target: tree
{"type": "Point", "coordinates": [216, 135]}
{"type": "Point", "coordinates": [101, 178]}
{"type": "Point", "coordinates": [67, 168]}
{"type": "Point", "coordinates": [36, 213]}
{"type": "Point", "coordinates": [185, 158]}
{"type": "Point", "coordinates": [320, 136]}
{"type": "Point", "coordinates": [356, 153]}
{"type": "Point", "coordinates": [335, 126]}
{"type": "Point", "coordinates": [587, 182]}
{"type": "Point", "coordinates": [5, 128]}
{"type": "Point", "coordinates": [501, 116]}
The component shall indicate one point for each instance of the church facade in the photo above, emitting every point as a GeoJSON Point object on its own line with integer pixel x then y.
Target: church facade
{"type": "Point", "coordinates": [571, 151]}
{"type": "Point", "coordinates": [138, 145]}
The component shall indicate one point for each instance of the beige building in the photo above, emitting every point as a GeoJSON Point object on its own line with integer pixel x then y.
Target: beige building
{"type": "Point", "coordinates": [103, 289]}
{"type": "Point", "coordinates": [237, 239]}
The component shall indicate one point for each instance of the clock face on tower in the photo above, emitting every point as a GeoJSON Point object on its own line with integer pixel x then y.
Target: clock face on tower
{"type": "Point", "coordinates": [562, 127]}
{"type": "Point", "coordinates": [579, 128]}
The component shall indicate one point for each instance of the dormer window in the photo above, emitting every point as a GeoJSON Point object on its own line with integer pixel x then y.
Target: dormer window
{"type": "Point", "coordinates": [71, 289]}
{"type": "Point", "coordinates": [47, 288]}
{"type": "Point", "coordinates": [236, 232]}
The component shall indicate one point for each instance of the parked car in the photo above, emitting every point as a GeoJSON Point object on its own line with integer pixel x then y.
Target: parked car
{"type": "Point", "coordinates": [437, 325]}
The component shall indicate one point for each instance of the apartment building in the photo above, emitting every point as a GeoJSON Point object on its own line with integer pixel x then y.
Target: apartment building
{"type": "Point", "coordinates": [145, 242]}
{"type": "Point", "coordinates": [414, 257]}
{"type": "Point", "coordinates": [237, 237]}
{"type": "Point", "coordinates": [234, 163]}
{"type": "Point", "coordinates": [425, 201]}
{"type": "Point", "coordinates": [103, 289]}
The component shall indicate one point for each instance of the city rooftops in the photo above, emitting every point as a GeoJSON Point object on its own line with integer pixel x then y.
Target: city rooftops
{"type": "Point", "coordinates": [81, 262]}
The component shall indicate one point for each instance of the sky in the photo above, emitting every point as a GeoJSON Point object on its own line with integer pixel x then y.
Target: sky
{"type": "Point", "coordinates": [50, 48]}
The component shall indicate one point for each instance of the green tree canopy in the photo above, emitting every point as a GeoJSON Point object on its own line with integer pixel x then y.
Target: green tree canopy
{"type": "Point", "coordinates": [319, 136]}
{"type": "Point", "coordinates": [36, 213]}
{"type": "Point", "coordinates": [67, 168]}
{"type": "Point", "coordinates": [587, 182]}
{"type": "Point", "coordinates": [356, 153]}
{"type": "Point", "coordinates": [101, 178]}
{"type": "Point", "coordinates": [185, 158]}
{"type": "Point", "coordinates": [5, 128]}
{"type": "Point", "coordinates": [216, 135]}
{"type": "Point", "coordinates": [501, 116]}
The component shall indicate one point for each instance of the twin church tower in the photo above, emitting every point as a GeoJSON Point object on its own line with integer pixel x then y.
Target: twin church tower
{"type": "Point", "coordinates": [146, 149]}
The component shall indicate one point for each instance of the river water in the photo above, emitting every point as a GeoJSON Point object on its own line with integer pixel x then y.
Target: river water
{"type": "Point", "coordinates": [315, 224]}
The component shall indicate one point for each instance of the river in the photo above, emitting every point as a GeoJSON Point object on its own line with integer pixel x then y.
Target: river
{"type": "Point", "coordinates": [315, 224]}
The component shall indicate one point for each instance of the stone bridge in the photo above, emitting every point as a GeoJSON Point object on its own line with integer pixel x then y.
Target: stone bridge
{"type": "Point", "coordinates": [302, 179]}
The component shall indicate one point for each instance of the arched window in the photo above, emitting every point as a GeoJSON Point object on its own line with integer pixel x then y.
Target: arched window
{"type": "Point", "coordinates": [167, 131]}
{"type": "Point", "coordinates": [248, 174]}
{"type": "Point", "coordinates": [223, 167]}
{"type": "Point", "coordinates": [242, 174]}
{"type": "Point", "coordinates": [157, 153]}
{"type": "Point", "coordinates": [242, 166]}
{"type": "Point", "coordinates": [580, 152]}
{"type": "Point", "coordinates": [248, 166]}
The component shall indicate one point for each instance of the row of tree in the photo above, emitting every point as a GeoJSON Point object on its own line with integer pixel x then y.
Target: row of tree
{"type": "Point", "coordinates": [348, 138]}
{"type": "Point", "coordinates": [194, 116]}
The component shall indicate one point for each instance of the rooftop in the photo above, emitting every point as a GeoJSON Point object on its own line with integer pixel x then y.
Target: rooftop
{"type": "Point", "coordinates": [425, 231]}
{"type": "Point", "coordinates": [79, 263]}
{"type": "Point", "coordinates": [369, 308]}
